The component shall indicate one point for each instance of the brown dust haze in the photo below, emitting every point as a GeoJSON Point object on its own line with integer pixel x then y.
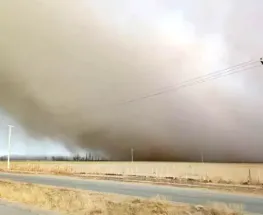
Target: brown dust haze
{"type": "Point", "coordinates": [67, 66]}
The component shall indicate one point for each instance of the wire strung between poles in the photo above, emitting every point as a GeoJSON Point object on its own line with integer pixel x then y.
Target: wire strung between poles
{"type": "Point", "coordinates": [201, 79]}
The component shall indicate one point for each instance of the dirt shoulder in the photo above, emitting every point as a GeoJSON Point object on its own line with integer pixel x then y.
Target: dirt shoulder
{"type": "Point", "coordinates": [250, 189]}
{"type": "Point", "coordinates": [245, 189]}
{"type": "Point", "coordinates": [73, 201]}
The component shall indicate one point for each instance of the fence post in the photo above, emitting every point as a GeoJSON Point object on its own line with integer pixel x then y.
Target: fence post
{"type": "Point", "coordinates": [249, 176]}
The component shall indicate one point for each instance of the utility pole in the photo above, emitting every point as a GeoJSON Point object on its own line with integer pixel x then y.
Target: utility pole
{"type": "Point", "coordinates": [132, 154]}
{"type": "Point", "coordinates": [9, 146]}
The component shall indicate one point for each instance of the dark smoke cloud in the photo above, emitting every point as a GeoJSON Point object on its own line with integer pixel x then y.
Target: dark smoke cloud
{"type": "Point", "coordinates": [67, 65]}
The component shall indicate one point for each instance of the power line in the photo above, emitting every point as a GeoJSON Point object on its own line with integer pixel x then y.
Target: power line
{"type": "Point", "coordinates": [228, 69]}
{"type": "Point", "coordinates": [201, 79]}
{"type": "Point", "coordinates": [222, 71]}
{"type": "Point", "coordinates": [219, 75]}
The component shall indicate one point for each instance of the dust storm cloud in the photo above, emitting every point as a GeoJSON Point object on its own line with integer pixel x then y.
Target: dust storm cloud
{"type": "Point", "coordinates": [66, 66]}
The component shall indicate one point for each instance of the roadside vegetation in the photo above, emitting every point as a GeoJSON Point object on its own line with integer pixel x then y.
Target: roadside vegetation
{"type": "Point", "coordinates": [249, 182]}
{"type": "Point", "coordinates": [77, 202]}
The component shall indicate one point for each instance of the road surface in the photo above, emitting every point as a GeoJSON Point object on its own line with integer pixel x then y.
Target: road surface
{"type": "Point", "coordinates": [252, 204]}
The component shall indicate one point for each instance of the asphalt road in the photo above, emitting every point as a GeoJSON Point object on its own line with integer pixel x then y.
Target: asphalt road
{"type": "Point", "coordinates": [252, 204]}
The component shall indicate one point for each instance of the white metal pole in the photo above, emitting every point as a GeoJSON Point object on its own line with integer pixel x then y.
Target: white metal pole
{"type": "Point", "coordinates": [9, 146]}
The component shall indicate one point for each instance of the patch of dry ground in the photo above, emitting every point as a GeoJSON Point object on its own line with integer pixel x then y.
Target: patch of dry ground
{"type": "Point", "coordinates": [214, 172]}
{"type": "Point", "coordinates": [76, 202]}
{"type": "Point", "coordinates": [139, 172]}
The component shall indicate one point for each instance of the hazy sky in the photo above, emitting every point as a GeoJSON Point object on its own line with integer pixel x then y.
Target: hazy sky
{"type": "Point", "coordinates": [22, 144]}
{"type": "Point", "coordinates": [65, 65]}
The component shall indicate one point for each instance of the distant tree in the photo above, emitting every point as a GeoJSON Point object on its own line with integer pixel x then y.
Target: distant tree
{"type": "Point", "coordinates": [76, 157]}
{"type": "Point", "coordinates": [59, 158]}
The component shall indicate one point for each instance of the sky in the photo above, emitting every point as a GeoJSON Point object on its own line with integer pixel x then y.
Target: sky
{"type": "Point", "coordinates": [67, 65]}
{"type": "Point", "coordinates": [23, 144]}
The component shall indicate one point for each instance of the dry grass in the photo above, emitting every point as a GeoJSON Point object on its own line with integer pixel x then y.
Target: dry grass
{"type": "Point", "coordinates": [224, 172]}
{"type": "Point", "coordinates": [38, 168]}
{"type": "Point", "coordinates": [227, 177]}
{"type": "Point", "coordinates": [69, 201]}
{"type": "Point", "coordinates": [184, 172]}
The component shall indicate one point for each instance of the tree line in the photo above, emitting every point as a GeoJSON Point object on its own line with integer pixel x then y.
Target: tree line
{"type": "Point", "coordinates": [76, 157]}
